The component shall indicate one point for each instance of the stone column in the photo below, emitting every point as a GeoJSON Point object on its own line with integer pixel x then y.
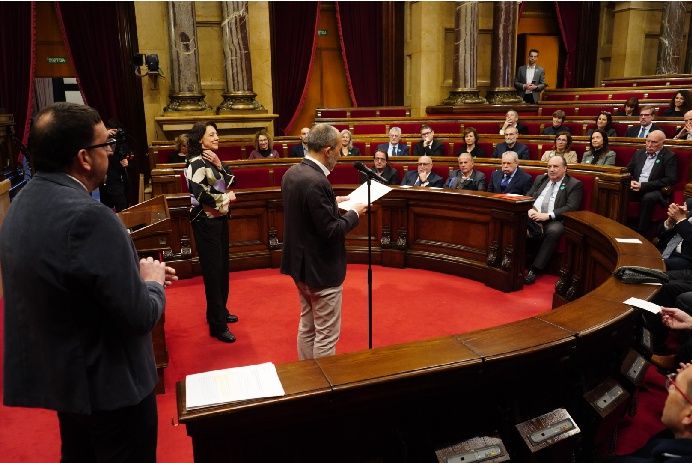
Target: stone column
{"type": "Point", "coordinates": [504, 50]}
{"type": "Point", "coordinates": [236, 52]}
{"type": "Point", "coordinates": [186, 88]}
{"type": "Point", "coordinates": [670, 43]}
{"type": "Point", "coordinates": [464, 89]}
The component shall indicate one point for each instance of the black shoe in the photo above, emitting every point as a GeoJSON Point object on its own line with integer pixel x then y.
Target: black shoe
{"type": "Point", "coordinates": [230, 318]}
{"type": "Point", "coordinates": [530, 278]}
{"type": "Point", "coordinates": [225, 336]}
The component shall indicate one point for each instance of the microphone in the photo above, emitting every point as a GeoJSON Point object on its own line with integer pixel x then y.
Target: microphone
{"type": "Point", "coordinates": [359, 166]}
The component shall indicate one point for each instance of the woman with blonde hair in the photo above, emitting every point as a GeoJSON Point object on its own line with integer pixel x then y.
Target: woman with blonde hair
{"type": "Point", "coordinates": [264, 146]}
{"type": "Point", "coordinates": [347, 148]}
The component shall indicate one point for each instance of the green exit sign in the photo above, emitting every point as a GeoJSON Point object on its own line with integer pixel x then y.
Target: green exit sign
{"type": "Point", "coordinates": [321, 32]}
{"type": "Point", "coordinates": [57, 60]}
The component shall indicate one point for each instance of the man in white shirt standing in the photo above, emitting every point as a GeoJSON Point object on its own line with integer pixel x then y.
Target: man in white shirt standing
{"type": "Point", "coordinates": [530, 79]}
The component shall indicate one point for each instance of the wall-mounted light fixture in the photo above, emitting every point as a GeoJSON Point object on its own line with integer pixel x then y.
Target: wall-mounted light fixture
{"type": "Point", "coordinates": [148, 65]}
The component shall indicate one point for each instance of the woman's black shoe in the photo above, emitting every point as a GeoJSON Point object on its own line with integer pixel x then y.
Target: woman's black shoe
{"type": "Point", "coordinates": [230, 318]}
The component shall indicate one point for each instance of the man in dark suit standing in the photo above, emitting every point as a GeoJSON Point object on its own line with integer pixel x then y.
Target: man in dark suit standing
{"type": "Point", "coordinates": [394, 147]}
{"type": "Point", "coordinates": [555, 193]}
{"type": "Point", "coordinates": [511, 179]}
{"type": "Point", "coordinates": [646, 124]}
{"type": "Point", "coordinates": [424, 176]}
{"type": "Point", "coordinates": [653, 169]}
{"type": "Point", "coordinates": [428, 146]}
{"type": "Point", "coordinates": [511, 144]}
{"type": "Point", "coordinates": [314, 252]}
{"type": "Point", "coordinates": [530, 79]}
{"type": "Point", "coordinates": [301, 150]}
{"type": "Point", "coordinates": [79, 304]}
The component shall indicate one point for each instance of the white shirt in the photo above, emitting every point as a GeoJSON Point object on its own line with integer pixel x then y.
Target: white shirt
{"type": "Point", "coordinates": [530, 71]}
{"type": "Point", "coordinates": [551, 205]}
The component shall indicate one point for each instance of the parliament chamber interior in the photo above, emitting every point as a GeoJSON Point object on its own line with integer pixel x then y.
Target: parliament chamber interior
{"type": "Point", "coordinates": [562, 385]}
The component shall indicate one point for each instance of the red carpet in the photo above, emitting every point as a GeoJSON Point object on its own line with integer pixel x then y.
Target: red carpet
{"type": "Point", "coordinates": [408, 305]}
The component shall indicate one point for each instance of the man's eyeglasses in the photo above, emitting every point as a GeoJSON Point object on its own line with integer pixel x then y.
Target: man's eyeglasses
{"type": "Point", "coordinates": [425, 134]}
{"type": "Point", "coordinates": [424, 163]}
{"type": "Point", "coordinates": [110, 143]}
{"type": "Point", "coordinates": [670, 381]}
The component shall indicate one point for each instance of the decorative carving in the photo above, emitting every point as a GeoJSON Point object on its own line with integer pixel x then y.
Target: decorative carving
{"type": "Point", "coordinates": [507, 258]}
{"type": "Point", "coordinates": [401, 241]}
{"type": "Point", "coordinates": [492, 257]}
{"type": "Point", "coordinates": [573, 290]}
{"type": "Point", "coordinates": [463, 96]}
{"type": "Point", "coordinates": [185, 248]}
{"type": "Point", "coordinates": [562, 282]}
{"type": "Point", "coordinates": [273, 239]}
{"type": "Point", "coordinates": [503, 96]}
{"type": "Point", "coordinates": [386, 239]}
{"type": "Point", "coordinates": [242, 100]}
{"type": "Point", "coordinates": [183, 102]}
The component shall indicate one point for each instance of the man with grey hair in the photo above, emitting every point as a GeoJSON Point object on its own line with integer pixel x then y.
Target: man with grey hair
{"type": "Point", "coordinates": [314, 251]}
{"type": "Point", "coordinates": [685, 132]}
{"type": "Point", "coordinates": [511, 179]}
{"type": "Point", "coordinates": [394, 147]}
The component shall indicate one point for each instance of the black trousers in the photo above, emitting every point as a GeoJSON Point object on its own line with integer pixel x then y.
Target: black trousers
{"type": "Point", "coordinates": [552, 232]}
{"type": "Point", "coordinates": [124, 435]}
{"type": "Point", "coordinates": [211, 236]}
{"type": "Point", "coordinates": [647, 203]}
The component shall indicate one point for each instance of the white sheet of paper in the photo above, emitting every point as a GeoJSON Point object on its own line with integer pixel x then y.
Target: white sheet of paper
{"type": "Point", "coordinates": [231, 385]}
{"type": "Point", "coordinates": [642, 304]}
{"type": "Point", "coordinates": [360, 194]}
{"type": "Point", "coordinates": [629, 240]}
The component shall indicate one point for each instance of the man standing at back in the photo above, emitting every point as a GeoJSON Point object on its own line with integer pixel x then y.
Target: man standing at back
{"type": "Point", "coordinates": [314, 251]}
{"type": "Point", "coordinates": [79, 307]}
{"type": "Point", "coordinates": [530, 80]}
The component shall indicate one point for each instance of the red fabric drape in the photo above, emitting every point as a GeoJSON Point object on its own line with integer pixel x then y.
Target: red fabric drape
{"type": "Point", "coordinates": [17, 62]}
{"type": "Point", "coordinates": [568, 17]}
{"type": "Point", "coordinates": [293, 41]}
{"type": "Point", "coordinates": [361, 48]}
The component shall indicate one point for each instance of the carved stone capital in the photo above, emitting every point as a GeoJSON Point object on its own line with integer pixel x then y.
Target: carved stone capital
{"type": "Point", "coordinates": [503, 96]}
{"type": "Point", "coordinates": [239, 101]}
{"type": "Point", "coordinates": [187, 102]}
{"type": "Point", "coordinates": [463, 96]}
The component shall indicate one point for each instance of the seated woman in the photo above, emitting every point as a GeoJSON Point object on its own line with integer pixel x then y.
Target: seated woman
{"type": "Point", "coordinates": [678, 105]}
{"type": "Point", "coordinates": [604, 121]}
{"type": "Point", "coordinates": [181, 148]}
{"type": "Point", "coordinates": [264, 146]}
{"type": "Point", "coordinates": [347, 148]}
{"type": "Point", "coordinates": [471, 138]}
{"type": "Point", "coordinates": [598, 152]}
{"type": "Point", "coordinates": [561, 147]}
{"type": "Point", "coordinates": [631, 106]}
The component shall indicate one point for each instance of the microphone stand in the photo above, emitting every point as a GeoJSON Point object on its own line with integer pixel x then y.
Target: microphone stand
{"type": "Point", "coordinates": [369, 268]}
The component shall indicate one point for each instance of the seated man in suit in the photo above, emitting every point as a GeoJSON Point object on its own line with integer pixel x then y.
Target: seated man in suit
{"type": "Point", "coordinates": [394, 147]}
{"type": "Point", "coordinates": [428, 146]}
{"type": "Point", "coordinates": [653, 169]}
{"type": "Point", "coordinates": [512, 120]}
{"type": "Point", "coordinates": [511, 144]}
{"type": "Point", "coordinates": [511, 179]}
{"type": "Point", "coordinates": [388, 173]}
{"type": "Point", "coordinates": [675, 238]}
{"type": "Point", "coordinates": [685, 132]}
{"type": "Point", "coordinates": [557, 127]}
{"type": "Point", "coordinates": [530, 79]}
{"type": "Point", "coordinates": [465, 178]}
{"type": "Point", "coordinates": [424, 176]}
{"type": "Point", "coordinates": [299, 151]}
{"type": "Point", "coordinates": [646, 124]}
{"type": "Point", "coordinates": [555, 193]}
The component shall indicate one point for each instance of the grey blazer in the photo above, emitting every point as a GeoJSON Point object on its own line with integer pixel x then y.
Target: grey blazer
{"type": "Point", "coordinates": [538, 77]}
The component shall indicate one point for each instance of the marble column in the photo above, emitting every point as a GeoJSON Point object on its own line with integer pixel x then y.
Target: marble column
{"type": "Point", "coordinates": [670, 43]}
{"type": "Point", "coordinates": [503, 53]}
{"type": "Point", "coordinates": [236, 52]}
{"type": "Point", "coordinates": [186, 88]}
{"type": "Point", "coordinates": [688, 60]}
{"type": "Point", "coordinates": [464, 89]}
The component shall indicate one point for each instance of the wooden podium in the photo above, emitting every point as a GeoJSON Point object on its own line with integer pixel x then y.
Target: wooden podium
{"type": "Point", "coordinates": [149, 224]}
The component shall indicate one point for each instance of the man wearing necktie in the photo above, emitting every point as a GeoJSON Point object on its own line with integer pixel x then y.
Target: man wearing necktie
{"type": "Point", "coordinates": [646, 125]}
{"type": "Point", "coordinates": [424, 176]}
{"type": "Point", "coordinates": [511, 179]}
{"type": "Point", "coordinates": [555, 193]}
{"type": "Point", "coordinates": [394, 147]}
{"type": "Point", "coordinates": [654, 170]}
{"type": "Point", "coordinates": [675, 238]}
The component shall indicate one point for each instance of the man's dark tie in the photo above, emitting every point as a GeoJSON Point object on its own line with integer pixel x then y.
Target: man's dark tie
{"type": "Point", "coordinates": [504, 183]}
{"type": "Point", "coordinates": [642, 132]}
{"type": "Point", "coordinates": [671, 246]}
{"type": "Point", "coordinates": [394, 150]}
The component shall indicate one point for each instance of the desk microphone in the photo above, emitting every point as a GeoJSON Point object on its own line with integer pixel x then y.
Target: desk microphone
{"type": "Point", "coordinates": [359, 166]}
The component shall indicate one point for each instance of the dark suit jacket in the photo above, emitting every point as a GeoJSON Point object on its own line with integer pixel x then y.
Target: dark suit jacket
{"type": "Point", "coordinates": [521, 149]}
{"type": "Point", "coordinates": [390, 174]}
{"type": "Point", "coordinates": [519, 185]}
{"type": "Point", "coordinates": [663, 174]}
{"type": "Point", "coordinates": [521, 128]}
{"type": "Point", "coordinates": [552, 130]}
{"type": "Point", "coordinates": [476, 182]}
{"type": "Point", "coordinates": [538, 77]}
{"type": "Point", "coordinates": [568, 197]}
{"type": "Point", "coordinates": [402, 148]}
{"type": "Point", "coordinates": [684, 229]}
{"type": "Point", "coordinates": [297, 151]}
{"type": "Point", "coordinates": [433, 179]}
{"type": "Point", "coordinates": [477, 151]}
{"type": "Point", "coordinates": [78, 316]}
{"type": "Point", "coordinates": [633, 131]}
{"type": "Point", "coordinates": [314, 250]}
{"type": "Point", "coordinates": [435, 149]}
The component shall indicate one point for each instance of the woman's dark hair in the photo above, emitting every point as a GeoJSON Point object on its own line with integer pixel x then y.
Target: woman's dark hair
{"type": "Point", "coordinates": [472, 130]}
{"type": "Point", "coordinates": [569, 139]}
{"type": "Point", "coordinates": [686, 105]}
{"type": "Point", "coordinates": [609, 124]}
{"type": "Point", "coordinates": [604, 148]}
{"type": "Point", "coordinates": [633, 102]}
{"type": "Point", "coordinates": [195, 135]}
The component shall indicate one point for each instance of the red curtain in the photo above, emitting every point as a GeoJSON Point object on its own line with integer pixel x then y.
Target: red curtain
{"type": "Point", "coordinates": [101, 38]}
{"type": "Point", "coordinates": [293, 41]}
{"type": "Point", "coordinates": [17, 62]}
{"type": "Point", "coordinates": [361, 48]}
{"type": "Point", "coordinates": [568, 18]}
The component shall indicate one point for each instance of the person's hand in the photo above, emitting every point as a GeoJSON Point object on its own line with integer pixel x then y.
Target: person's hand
{"type": "Point", "coordinates": [341, 199]}
{"type": "Point", "coordinates": [152, 270]}
{"type": "Point", "coordinates": [538, 216]}
{"type": "Point", "coordinates": [360, 208]}
{"type": "Point", "coordinates": [677, 213]}
{"type": "Point", "coordinates": [170, 276]}
{"type": "Point", "coordinates": [675, 318]}
{"type": "Point", "coordinates": [423, 176]}
{"type": "Point", "coordinates": [211, 156]}
{"type": "Point", "coordinates": [124, 162]}
{"type": "Point", "coordinates": [112, 132]}
{"type": "Point", "coordinates": [231, 195]}
{"type": "Point", "coordinates": [635, 186]}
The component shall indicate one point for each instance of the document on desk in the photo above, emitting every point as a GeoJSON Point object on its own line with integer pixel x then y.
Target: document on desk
{"type": "Point", "coordinates": [629, 240]}
{"type": "Point", "coordinates": [232, 385]}
{"type": "Point", "coordinates": [360, 195]}
{"type": "Point", "coordinates": [642, 304]}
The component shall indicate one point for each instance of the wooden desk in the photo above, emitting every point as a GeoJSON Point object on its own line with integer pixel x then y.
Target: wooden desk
{"type": "Point", "coordinates": [360, 405]}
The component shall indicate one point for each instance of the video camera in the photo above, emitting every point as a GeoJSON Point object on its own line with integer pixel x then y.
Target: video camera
{"type": "Point", "coordinates": [122, 150]}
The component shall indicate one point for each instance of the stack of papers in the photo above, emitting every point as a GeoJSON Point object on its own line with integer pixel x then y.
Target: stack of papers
{"type": "Point", "coordinates": [232, 385]}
